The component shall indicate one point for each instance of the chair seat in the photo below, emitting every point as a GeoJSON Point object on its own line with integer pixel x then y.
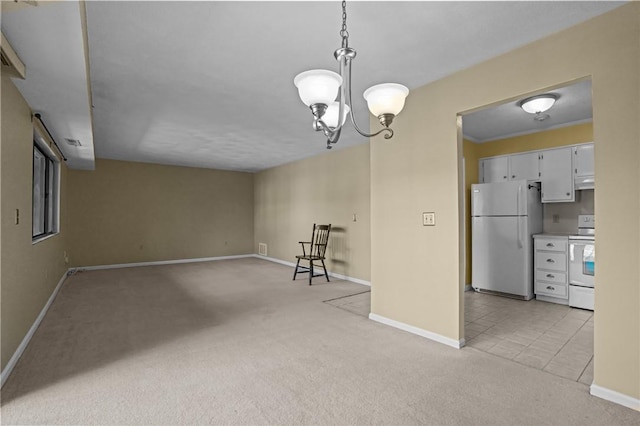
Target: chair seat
{"type": "Point", "coordinates": [309, 257]}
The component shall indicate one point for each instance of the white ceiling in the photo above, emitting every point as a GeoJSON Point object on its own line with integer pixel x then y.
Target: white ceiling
{"type": "Point", "coordinates": [210, 84]}
{"type": "Point", "coordinates": [572, 107]}
{"type": "Point", "coordinates": [49, 41]}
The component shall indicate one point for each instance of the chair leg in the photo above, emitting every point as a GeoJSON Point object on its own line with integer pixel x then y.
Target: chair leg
{"type": "Point", "coordinates": [325, 270]}
{"type": "Point", "coordinates": [310, 271]}
{"type": "Point", "coordinates": [295, 272]}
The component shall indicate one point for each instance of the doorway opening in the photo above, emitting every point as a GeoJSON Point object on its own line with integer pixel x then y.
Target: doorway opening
{"type": "Point", "coordinates": [528, 188]}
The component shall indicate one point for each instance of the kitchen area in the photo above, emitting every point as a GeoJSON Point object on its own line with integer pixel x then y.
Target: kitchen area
{"type": "Point", "coordinates": [531, 236]}
{"type": "Point", "coordinates": [519, 219]}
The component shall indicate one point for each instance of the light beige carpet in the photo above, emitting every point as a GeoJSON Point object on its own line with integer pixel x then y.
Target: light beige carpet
{"type": "Point", "coordinates": [238, 342]}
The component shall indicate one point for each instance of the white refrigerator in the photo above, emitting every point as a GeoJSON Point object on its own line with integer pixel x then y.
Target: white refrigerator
{"type": "Point", "coordinates": [505, 216]}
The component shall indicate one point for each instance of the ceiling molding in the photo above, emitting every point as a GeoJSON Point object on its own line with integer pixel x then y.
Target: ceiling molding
{"type": "Point", "coordinates": [530, 132]}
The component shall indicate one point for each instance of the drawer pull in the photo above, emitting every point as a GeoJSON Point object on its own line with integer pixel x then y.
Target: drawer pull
{"type": "Point", "coordinates": [550, 276]}
{"type": "Point", "coordinates": [550, 245]}
{"type": "Point", "coordinates": [551, 261]}
{"type": "Point", "coordinates": [550, 287]}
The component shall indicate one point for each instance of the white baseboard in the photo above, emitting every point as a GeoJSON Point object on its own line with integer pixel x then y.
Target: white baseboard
{"type": "Point", "coordinates": [420, 332]}
{"type": "Point", "coordinates": [27, 338]}
{"type": "Point", "coordinates": [274, 260]}
{"type": "Point", "coordinates": [353, 280]}
{"type": "Point", "coordinates": [617, 397]}
{"type": "Point", "coordinates": [331, 274]}
{"type": "Point", "coordinates": [161, 262]}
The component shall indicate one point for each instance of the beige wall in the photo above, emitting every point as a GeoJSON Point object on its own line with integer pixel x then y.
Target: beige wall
{"type": "Point", "coordinates": [126, 212]}
{"type": "Point", "coordinates": [420, 171]}
{"type": "Point", "coordinates": [328, 188]}
{"type": "Point", "coordinates": [30, 272]}
{"type": "Point", "coordinates": [472, 152]}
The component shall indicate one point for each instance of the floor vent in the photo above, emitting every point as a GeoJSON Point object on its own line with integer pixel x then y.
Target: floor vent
{"type": "Point", "coordinates": [262, 249]}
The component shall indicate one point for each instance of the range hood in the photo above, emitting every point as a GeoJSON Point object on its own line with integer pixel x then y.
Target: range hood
{"type": "Point", "coordinates": [584, 182]}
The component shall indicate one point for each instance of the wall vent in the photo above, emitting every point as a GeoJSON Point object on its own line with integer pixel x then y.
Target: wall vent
{"type": "Point", "coordinates": [262, 249]}
{"type": "Point", "coordinates": [73, 142]}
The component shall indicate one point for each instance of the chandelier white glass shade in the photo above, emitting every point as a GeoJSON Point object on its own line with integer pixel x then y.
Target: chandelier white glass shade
{"type": "Point", "coordinates": [330, 117]}
{"type": "Point", "coordinates": [319, 89]}
{"type": "Point", "coordinates": [386, 100]}
{"type": "Point", "coordinates": [538, 104]}
{"type": "Point", "coordinates": [318, 86]}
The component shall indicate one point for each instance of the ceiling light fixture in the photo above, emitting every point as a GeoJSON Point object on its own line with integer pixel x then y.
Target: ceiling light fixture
{"type": "Point", "coordinates": [318, 90]}
{"type": "Point", "coordinates": [538, 104]}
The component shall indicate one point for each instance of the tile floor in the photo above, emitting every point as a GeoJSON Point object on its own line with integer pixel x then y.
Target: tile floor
{"type": "Point", "coordinates": [550, 337]}
{"type": "Point", "coordinates": [554, 338]}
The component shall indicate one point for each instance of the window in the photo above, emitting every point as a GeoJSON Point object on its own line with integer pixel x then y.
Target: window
{"type": "Point", "coordinates": [46, 205]}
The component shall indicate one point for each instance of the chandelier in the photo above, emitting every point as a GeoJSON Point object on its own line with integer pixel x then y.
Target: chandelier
{"type": "Point", "coordinates": [318, 90]}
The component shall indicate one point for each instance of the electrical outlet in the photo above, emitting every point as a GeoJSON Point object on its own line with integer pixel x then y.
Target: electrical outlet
{"type": "Point", "coordinates": [17, 218]}
{"type": "Point", "coordinates": [429, 219]}
{"type": "Point", "coordinates": [355, 217]}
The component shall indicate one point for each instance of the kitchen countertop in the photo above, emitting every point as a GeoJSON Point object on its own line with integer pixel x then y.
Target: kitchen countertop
{"type": "Point", "coordinates": [565, 235]}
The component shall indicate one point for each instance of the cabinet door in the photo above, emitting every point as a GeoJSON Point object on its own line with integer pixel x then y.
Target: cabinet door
{"type": "Point", "coordinates": [495, 169]}
{"type": "Point", "coordinates": [525, 166]}
{"type": "Point", "coordinates": [583, 160]}
{"type": "Point", "coordinates": [557, 175]}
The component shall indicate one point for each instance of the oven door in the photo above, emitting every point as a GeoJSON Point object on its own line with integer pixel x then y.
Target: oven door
{"type": "Point", "coordinates": [582, 262]}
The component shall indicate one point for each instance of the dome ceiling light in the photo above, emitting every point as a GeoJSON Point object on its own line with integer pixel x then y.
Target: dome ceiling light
{"type": "Point", "coordinates": [538, 105]}
{"type": "Point", "coordinates": [318, 90]}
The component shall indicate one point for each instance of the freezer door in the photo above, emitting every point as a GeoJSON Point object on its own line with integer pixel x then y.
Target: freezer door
{"type": "Point", "coordinates": [499, 198]}
{"type": "Point", "coordinates": [502, 255]}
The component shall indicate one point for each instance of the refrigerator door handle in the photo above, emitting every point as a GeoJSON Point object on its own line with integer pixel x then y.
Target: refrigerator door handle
{"type": "Point", "coordinates": [518, 215]}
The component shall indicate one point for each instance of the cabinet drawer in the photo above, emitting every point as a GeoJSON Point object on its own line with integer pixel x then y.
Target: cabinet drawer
{"type": "Point", "coordinates": [553, 290]}
{"type": "Point", "coordinates": [552, 261]}
{"type": "Point", "coordinates": [551, 244]}
{"type": "Point", "coordinates": [552, 277]}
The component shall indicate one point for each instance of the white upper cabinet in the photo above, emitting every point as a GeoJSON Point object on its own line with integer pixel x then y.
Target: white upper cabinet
{"type": "Point", "coordinates": [557, 175]}
{"type": "Point", "coordinates": [495, 169]}
{"type": "Point", "coordinates": [561, 171]}
{"type": "Point", "coordinates": [525, 166]}
{"type": "Point", "coordinates": [583, 162]}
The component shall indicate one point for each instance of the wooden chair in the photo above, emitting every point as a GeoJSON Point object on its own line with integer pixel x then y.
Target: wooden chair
{"type": "Point", "coordinates": [317, 247]}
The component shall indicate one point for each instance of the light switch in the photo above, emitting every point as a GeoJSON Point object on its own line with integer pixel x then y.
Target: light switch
{"type": "Point", "coordinates": [429, 219]}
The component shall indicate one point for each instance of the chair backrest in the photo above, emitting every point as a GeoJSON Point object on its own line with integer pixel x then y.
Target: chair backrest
{"type": "Point", "coordinates": [319, 239]}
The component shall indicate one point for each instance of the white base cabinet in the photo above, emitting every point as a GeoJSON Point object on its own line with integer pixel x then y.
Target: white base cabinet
{"type": "Point", "coordinates": [551, 268]}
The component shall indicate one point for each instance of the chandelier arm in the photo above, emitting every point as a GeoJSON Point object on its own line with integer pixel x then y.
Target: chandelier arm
{"type": "Point", "coordinates": [333, 138]}
{"type": "Point", "coordinates": [325, 128]}
{"type": "Point", "coordinates": [343, 99]}
{"type": "Point", "coordinates": [389, 134]}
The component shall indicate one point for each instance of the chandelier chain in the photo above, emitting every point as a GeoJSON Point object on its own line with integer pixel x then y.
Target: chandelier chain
{"type": "Point", "coordinates": [344, 34]}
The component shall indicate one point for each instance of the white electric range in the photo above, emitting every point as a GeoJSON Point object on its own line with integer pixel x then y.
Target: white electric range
{"type": "Point", "coordinates": [582, 264]}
